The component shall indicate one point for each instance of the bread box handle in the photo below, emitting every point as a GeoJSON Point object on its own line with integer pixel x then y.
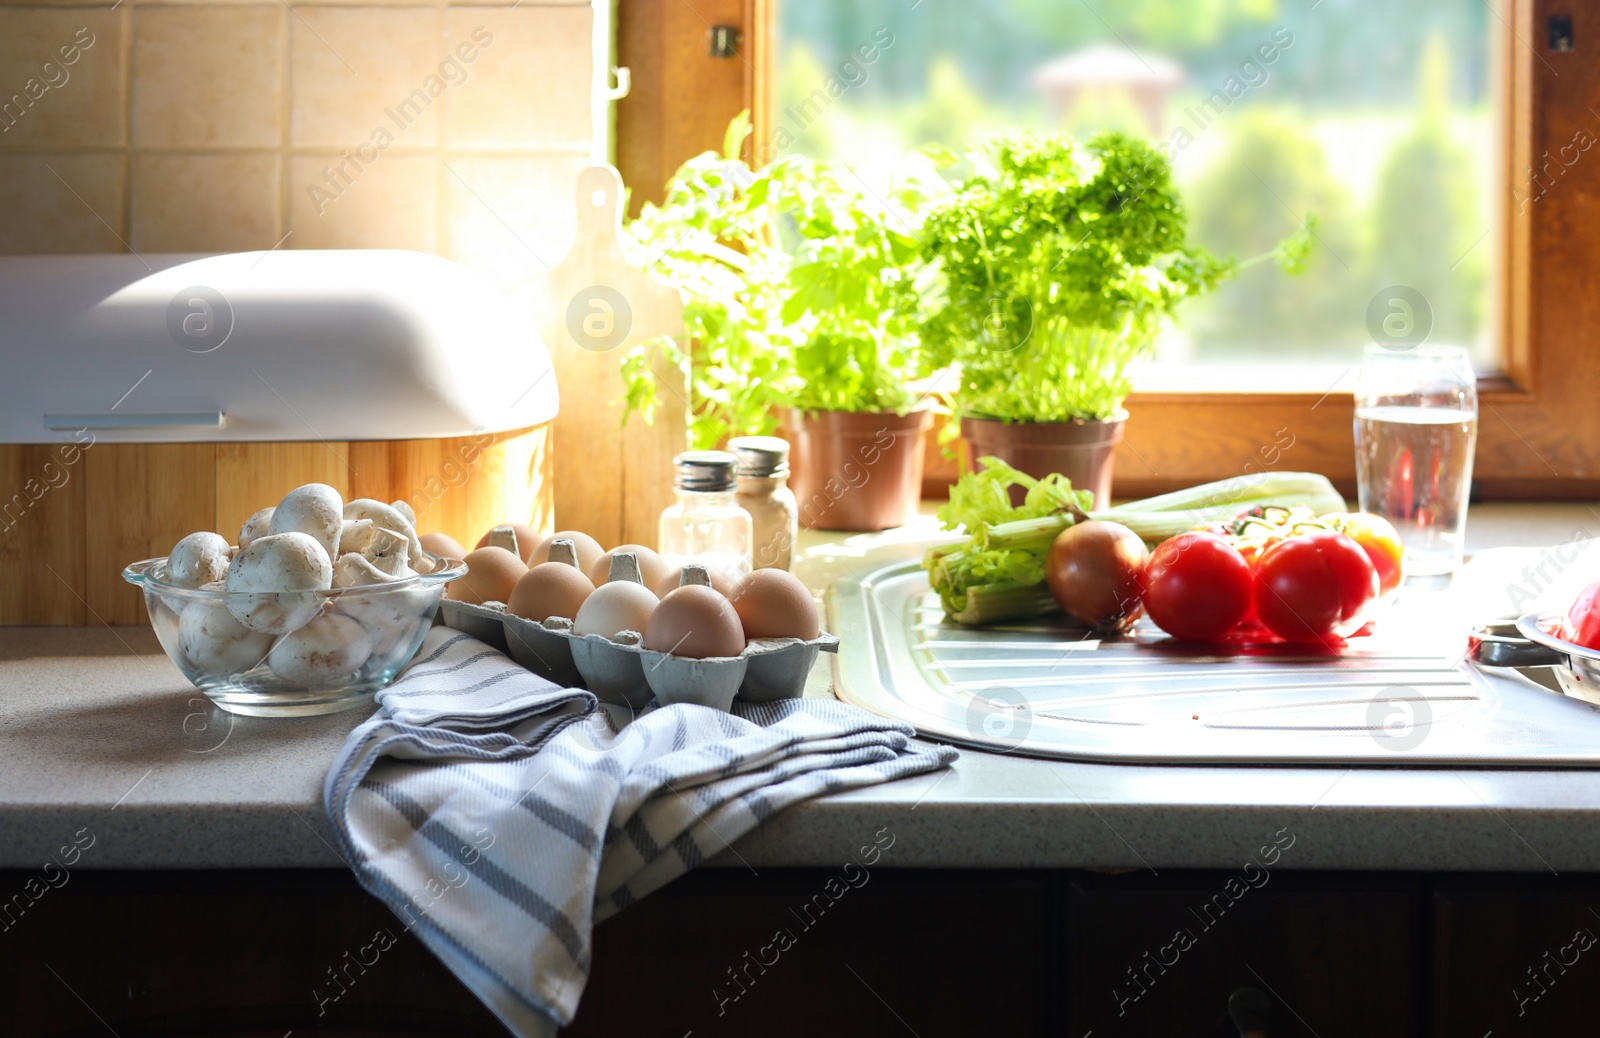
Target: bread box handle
{"type": "Point", "coordinates": [185, 419]}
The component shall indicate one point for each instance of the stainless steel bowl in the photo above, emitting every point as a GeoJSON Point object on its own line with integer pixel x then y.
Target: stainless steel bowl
{"type": "Point", "coordinates": [1527, 642]}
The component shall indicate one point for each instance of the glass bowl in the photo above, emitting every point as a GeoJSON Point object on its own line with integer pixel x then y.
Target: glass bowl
{"type": "Point", "coordinates": [305, 652]}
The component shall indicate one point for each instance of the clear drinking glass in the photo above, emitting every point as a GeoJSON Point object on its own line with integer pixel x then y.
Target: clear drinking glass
{"type": "Point", "coordinates": [1416, 427]}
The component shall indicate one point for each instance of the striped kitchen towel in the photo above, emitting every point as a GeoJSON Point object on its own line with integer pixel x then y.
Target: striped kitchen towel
{"type": "Point", "coordinates": [501, 816]}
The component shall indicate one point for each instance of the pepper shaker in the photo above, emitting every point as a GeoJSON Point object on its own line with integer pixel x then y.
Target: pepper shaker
{"type": "Point", "coordinates": [763, 475]}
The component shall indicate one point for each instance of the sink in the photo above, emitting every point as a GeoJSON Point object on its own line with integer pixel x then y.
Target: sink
{"type": "Point", "coordinates": [1403, 695]}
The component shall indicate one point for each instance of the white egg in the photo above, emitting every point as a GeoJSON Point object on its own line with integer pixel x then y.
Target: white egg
{"type": "Point", "coordinates": [615, 606]}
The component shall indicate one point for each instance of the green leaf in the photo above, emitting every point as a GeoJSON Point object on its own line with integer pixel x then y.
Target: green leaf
{"type": "Point", "coordinates": [733, 138]}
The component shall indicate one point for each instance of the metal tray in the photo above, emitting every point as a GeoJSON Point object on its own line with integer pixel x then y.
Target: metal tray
{"type": "Point", "coordinates": [1403, 696]}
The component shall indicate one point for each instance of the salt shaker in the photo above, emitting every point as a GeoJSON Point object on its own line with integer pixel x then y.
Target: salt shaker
{"type": "Point", "coordinates": [763, 475]}
{"type": "Point", "coordinates": [707, 525]}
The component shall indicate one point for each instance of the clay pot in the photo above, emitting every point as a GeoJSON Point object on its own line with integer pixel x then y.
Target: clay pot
{"type": "Point", "coordinates": [855, 471]}
{"type": "Point", "coordinates": [1080, 450]}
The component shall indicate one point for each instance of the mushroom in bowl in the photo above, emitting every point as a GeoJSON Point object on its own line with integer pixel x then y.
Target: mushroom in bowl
{"type": "Point", "coordinates": [312, 616]}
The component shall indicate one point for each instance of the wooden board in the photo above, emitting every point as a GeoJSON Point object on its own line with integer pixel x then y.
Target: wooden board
{"type": "Point", "coordinates": [67, 528]}
{"type": "Point", "coordinates": [251, 476]}
{"type": "Point", "coordinates": [465, 485]}
{"type": "Point", "coordinates": [611, 481]}
{"type": "Point", "coordinates": [139, 500]}
{"type": "Point", "coordinates": [41, 534]}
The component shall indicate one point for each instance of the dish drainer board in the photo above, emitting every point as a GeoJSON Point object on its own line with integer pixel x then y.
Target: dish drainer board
{"type": "Point", "coordinates": [1403, 696]}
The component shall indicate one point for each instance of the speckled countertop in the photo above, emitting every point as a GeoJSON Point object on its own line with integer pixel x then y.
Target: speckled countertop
{"type": "Point", "coordinates": [98, 730]}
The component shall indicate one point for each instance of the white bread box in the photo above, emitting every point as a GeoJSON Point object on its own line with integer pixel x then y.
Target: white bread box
{"type": "Point", "coordinates": [146, 397]}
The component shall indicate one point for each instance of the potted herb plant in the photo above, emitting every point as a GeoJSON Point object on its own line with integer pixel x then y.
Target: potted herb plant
{"type": "Point", "coordinates": [802, 311]}
{"type": "Point", "coordinates": [1060, 263]}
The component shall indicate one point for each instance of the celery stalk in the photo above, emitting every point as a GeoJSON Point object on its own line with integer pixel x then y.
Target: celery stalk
{"type": "Point", "coordinates": [990, 603]}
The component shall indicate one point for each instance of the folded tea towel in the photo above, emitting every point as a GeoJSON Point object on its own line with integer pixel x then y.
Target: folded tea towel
{"type": "Point", "coordinates": [500, 816]}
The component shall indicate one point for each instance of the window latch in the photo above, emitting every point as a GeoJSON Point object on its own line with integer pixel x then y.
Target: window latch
{"type": "Point", "coordinates": [725, 40]}
{"type": "Point", "coordinates": [1560, 30]}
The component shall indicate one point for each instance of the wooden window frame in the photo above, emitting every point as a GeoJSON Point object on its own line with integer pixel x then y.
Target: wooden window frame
{"type": "Point", "coordinates": [1539, 424]}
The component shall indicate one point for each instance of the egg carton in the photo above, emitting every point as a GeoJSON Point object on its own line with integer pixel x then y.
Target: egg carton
{"type": "Point", "coordinates": [624, 672]}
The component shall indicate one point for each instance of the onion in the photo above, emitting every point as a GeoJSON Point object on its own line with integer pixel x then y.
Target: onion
{"type": "Point", "coordinates": [1093, 572]}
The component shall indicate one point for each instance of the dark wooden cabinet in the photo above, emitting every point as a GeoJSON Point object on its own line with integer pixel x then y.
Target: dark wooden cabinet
{"type": "Point", "coordinates": [214, 954]}
{"type": "Point", "coordinates": [1516, 957]}
{"type": "Point", "coordinates": [930, 954]}
{"type": "Point", "coordinates": [791, 952]}
{"type": "Point", "coordinates": [1162, 954]}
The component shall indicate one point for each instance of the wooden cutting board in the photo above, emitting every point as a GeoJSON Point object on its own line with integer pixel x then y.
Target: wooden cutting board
{"type": "Point", "coordinates": [611, 480]}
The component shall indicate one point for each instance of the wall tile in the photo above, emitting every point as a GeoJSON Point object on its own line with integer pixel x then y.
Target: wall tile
{"type": "Point", "coordinates": [61, 78]}
{"type": "Point", "coordinates": [205, 203]}
{"type": "Point", "coordinates": [220, 87]}
{"type": "Point", "coordinates": [353, 68]}
{"type": "Point", "coordinates": [208, 76]}
{"type": "Point", "coordinates": [391, 203]}
{"type": "Point", "coordinates": [61, 203]}
{"type": "Point", "coordinates": [510, 218]}
{"type": "Point", "coordinates": [530, 86]}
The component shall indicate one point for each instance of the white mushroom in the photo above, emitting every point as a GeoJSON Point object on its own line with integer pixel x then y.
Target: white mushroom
{"type": "Point", "coordinates": [315, 509]}
{"type": "Point", "coordinates": [258, 525]}
{"type": "Point", "coordinates": [355, 535]}
{"type": "Point", "coordinates": [325, 653]}
{"type": "Point", "coordinates": [354, 570]}
{"type": "Point", "coordinates": [390, 552]}
{"type": "Point", "coordinates": [386, 517]}
{"type": "Point", "coordinates": [197, 559]}
{"type": "Point", "coordinates": [280, 562]}
{"type": "Point", "coordinates": [384, 560]}
{"type": "Point", "coordinates": [389, 615]}
{"type": "Point", "coordinates": [214, 643]}
{"type": "Point", "coordinates": [405, 509]}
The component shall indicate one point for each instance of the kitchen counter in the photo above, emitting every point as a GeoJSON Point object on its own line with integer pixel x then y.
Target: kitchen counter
{"type": "Point", "coordinates": [101, 732]}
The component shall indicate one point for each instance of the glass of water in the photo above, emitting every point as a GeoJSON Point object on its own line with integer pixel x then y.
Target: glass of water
{"type": "Point", "coordinates": [1416, 428]}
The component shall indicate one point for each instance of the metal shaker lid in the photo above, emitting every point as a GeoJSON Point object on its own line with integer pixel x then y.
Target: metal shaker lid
{"type": "Point", "coordinates": [760, 456]}
{"type": "Point", "coordinates": [704, 471]}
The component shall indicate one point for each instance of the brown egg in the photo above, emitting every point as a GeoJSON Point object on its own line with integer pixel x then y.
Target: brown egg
{"type": "Point", "coordinates": [528, 540]}
{"type": "Point", "coordinates": [443, 545]}
{"type": "Point", "coordinates": [549, 589]}
{"type": "Point", "coordinates": [587, 547]}
{"type": "Point", "coordinates": [773, 603]}
{"type": "Point", "coordinates": [491, 575]}
{"type": "Point", "coordinates": [652, 568]}
{"type": "Point", "coordinates": [718, 581]}
{"type": "Point", "coordinates": [695, 622]}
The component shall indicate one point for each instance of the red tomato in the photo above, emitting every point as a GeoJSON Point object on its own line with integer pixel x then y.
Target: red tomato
{"type": "Point", "coordinates": [1315, 586]}
{"type": "Point", "coordinates": [1379, 539]}
{"type": "Point", "coordinates": [1196, 586]}
{"type": "Point", "coordinates": [1583, 619]}
{"type": "Point", "coordinates": [1252, 551]}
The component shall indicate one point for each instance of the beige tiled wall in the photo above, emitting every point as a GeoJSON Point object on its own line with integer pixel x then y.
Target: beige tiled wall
{"type": "Point", "coordinates": [226, 126]}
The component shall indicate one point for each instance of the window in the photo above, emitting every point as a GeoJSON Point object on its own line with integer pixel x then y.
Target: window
{"type": "Point", "coordinates": [1514, 79]}
{"type": "Point", "coordinates": [1376, 115]}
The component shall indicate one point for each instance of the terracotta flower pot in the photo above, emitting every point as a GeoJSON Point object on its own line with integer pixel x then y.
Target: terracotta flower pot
{"type": "Point", "coordinates": [1080, 450]}
{"type": "Point", "coordinates": [854, 471]}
